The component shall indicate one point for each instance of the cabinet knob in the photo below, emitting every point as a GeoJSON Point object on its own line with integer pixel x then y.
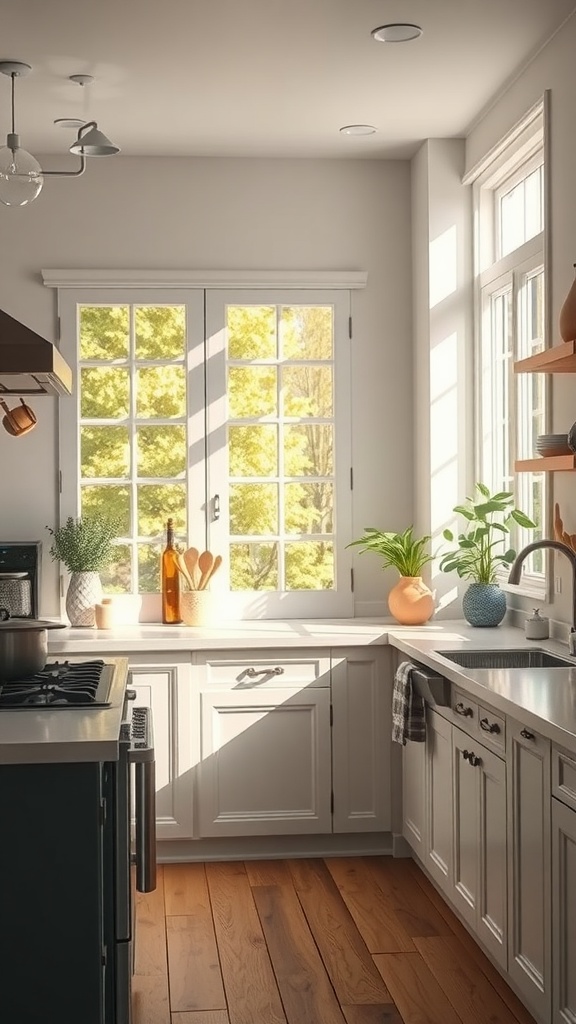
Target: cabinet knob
{"type": "Point", "coordinates": [461, 709]}
{"type": "Point", "coordinates": [475, 761]}
{"type": "Point", "coordinates": [253, 672]}
{"type": "Point", "coordinates": [466, 754]}
{"type": "Point", "coordinates": [527, 735]}
{"type": "Point", "coordinates": [489, 726]}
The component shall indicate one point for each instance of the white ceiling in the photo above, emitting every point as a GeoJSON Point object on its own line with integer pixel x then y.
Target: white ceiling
{"type": "Point", "coordinates": [273, 78]}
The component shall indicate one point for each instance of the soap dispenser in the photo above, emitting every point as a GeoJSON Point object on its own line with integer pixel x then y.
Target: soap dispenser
{"type": "Point", "coordinates": [536, 627]}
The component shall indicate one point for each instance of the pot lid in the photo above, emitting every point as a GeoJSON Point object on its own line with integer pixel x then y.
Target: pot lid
{"type": "Point", "coordinates": [23, 625]}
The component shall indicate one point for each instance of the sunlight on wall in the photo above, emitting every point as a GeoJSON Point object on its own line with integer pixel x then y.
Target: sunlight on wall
{"type": "Point", "coordinates": [443, 274]}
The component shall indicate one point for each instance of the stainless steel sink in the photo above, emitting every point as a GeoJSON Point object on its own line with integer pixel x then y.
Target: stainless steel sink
{"type": "Point", "coordinates": [526, 658]}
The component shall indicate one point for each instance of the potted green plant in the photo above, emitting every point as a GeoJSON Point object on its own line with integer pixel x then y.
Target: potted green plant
{"type": "Point", "coordinates": [410, 601]}
{"type": "Point", "coordinates": [480, 551]}
{"type": "Point", "coordinates": [85, 545]}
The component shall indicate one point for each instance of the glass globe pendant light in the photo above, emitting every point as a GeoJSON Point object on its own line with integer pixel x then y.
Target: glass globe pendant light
{"type": "Point", "coordinates": [21, 177]}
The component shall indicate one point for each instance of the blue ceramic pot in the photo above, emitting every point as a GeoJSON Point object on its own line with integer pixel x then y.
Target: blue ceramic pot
{"type": "Point", "coordinates": [484, 604]}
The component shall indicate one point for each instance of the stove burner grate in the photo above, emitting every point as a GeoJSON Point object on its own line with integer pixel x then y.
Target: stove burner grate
{"type": "Point", "coordinates": [58, 685]}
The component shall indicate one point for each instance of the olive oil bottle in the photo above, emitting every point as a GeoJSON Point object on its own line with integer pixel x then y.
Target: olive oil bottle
{"type": "Point", "coordinates": [170, 579]}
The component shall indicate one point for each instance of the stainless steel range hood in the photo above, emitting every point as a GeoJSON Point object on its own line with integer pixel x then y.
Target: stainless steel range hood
{"type": "Point", "coordinates": [30, 365]}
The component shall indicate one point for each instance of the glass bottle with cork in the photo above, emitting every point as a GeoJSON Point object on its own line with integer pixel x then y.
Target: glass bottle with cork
{"type": "Point", "coordinates": [170, 579]}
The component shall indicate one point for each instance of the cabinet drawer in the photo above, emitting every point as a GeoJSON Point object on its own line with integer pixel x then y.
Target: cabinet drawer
{"type": "Point", "coordinates": [564, 776]}
{"type": "Point", "coordinates": [464, 711]}
{"type": "Point", "coordinates": [262, 669]}
{"type": "Point", "coordinates": [492, 729]}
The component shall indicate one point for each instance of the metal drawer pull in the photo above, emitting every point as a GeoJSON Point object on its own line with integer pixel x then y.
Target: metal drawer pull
{"type": "Point", "coordinates": [466, 754]}
{"type": "Point", "coordinates": [276, 671]}
{"type": "Point", "coordinates": [489, 726]}
{"type": "Point", "coordinates": [474, 760]}
{"type": "Point", "coordinates": [527, 735]}
{"type": "Point", "coordinates": [461, 709]}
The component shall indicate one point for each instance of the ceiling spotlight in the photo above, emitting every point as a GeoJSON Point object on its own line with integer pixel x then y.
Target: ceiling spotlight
{"type": "Point", "coordinates": [400, 32]}
{"type": "Point", "coordinates": [358, 129]}
{"type": "Point", "coordinates": [21, 177]}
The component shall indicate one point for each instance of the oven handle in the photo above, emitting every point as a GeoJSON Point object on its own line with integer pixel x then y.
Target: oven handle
{"type": "Point", "coordinates": [145, 798]}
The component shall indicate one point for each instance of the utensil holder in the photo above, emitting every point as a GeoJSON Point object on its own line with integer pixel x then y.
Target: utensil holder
{"type": "Point", "coordinates": [197, 607]}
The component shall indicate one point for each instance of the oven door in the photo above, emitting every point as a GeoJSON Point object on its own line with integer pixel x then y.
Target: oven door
{"type": "Point", "coordinates": [137, 760]}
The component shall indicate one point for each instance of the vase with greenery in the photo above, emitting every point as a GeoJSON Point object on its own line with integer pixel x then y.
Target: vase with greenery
{"type": "Point", "coordinates": [85, 545]}
{"type": "Point", "coordinates": [410, 601]}
{"type": "Point", "coordinates": [481, 550]}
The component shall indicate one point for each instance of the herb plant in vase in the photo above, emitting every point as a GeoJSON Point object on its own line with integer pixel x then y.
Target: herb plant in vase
{"type": "Point", "coordinates": [84, 545]}
{"type": "Point", "coordinates": [410, 601]}
{"type": "Point", "coordinates": [480, 553]}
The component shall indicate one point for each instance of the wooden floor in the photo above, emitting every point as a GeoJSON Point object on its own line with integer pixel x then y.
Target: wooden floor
{"type": "Point", "coordinates": [335, 941]}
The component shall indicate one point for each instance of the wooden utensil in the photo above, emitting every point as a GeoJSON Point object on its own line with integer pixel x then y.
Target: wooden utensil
{"type": "Point", "coordinates": [181, 566]}
{"type": "Point", "coordinates": [191, 561]}
{"type": "Point", "coordinates": [216, 565]}
{"type": "Point", "coordinates": [205, 564]}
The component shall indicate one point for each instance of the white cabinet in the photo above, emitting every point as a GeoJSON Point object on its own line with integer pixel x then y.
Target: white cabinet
{"type": "Point", "coordinates": [164, 685]}
{"type": "Point", "coordinates": [479, 877]}
{"type": "Point", "coordinates": [265, 744]}
{"type": "Point", "coordinates": [563, 916]}
{"type": "Point", "coordinates": [529, 952]}
{"type": "Point", "coordinates": [361, 739]}
{"type": "Point", "coordinates": [414, 797]}
{"type": "Point", "coordinates": [439, 819]}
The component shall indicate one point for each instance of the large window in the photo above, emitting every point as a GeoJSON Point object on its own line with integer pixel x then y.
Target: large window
{"type": "Point", "coordinates": [229, 413]}
{"type": "Point", "coordinates": [511, 408]}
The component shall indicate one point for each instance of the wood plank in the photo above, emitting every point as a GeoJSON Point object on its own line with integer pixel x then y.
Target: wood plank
{"type": "Point", "coordinates": [366, 1014]}
{"type": "Point", "coordinates": [415, 991]}
{"type": "Point", "coordinates": [201, 1017]}
{"type": "Point", "coordinates": [150, 942]}
{"type": "Point", "coordinates": [341, 946]}
{"type": "Point", "coordinates": [305, 989]}
{"type": "Point", "coordinates": [184, 888]}
{"type": "Point", "coordinates": [251, 988]}
{"type": "Point", "coordinates": [150, 1004]}
{"type": "Point", "coordinates": [193, 966]}
{"type": "Point", "coordinates": [375, 919]}
{"type": "Point", "coordinates": [415, 912]}
{"type": "Point", "coordinates": [268, 872]}
{"type": "Point", "coordinates": [471, 947]}
{"type": "Point", "coordinates": [469, 991]}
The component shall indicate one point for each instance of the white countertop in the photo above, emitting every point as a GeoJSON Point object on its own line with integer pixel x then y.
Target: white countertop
{"type": "Point", "coordinates": [78, 734]}
{"type": "Point", "coordinates": [542, 698]}
{"type": "Point", "coordinates": [246, 635]}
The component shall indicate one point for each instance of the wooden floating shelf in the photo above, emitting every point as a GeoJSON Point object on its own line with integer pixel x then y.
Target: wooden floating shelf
{"type": "Point", "coordinates": [558, 359]}
{"type": "Point", "coordinates": [551, 464]}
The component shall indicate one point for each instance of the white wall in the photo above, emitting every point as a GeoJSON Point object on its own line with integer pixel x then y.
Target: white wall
{"type": "Point", "coordinates": [229, 215]}
{"type": "Point", "coordinates": [552, 69]}
{"type": "Point", "coordinates": [442, 295]}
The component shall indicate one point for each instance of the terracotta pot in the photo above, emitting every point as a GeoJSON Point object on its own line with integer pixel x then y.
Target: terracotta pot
{"type": "Point", "coordinates": [411, 602]}
{"type": "Point", "coordinates": [19, 420]}
{"type": "Point", "coordinates": [567, 321]}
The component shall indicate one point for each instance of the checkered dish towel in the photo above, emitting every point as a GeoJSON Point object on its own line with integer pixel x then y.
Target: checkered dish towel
{"type": "Point", "coordinates": [408, 712]}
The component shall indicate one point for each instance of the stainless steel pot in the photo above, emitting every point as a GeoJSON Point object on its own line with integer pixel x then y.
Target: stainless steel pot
{"type": "Point", "coordinates": [23, 645]}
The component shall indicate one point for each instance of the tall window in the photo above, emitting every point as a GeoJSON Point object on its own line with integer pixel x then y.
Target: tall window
{"type": "Point", "coordinates": [229, 413]}
{"type": "Point", "coordinates": [511, 409]}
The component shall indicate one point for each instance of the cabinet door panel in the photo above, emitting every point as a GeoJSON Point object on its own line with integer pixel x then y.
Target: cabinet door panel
{"type": "Point", "coordinates": [564, 919]}
{"type": "Point", "coordinates": [157, 687]}
{"type": "Point", "coordinates": [413, 796]}
{"type": "Point", "coordinates": [466, 828]}
{"type": "Point", "coordinates": [529, 851]}
{"type": "Point", "coordinates": [492, 891]}
{"type": "Point", "coordinates": [361, 740]}
{"type": "Point", "coordinates": [265, 766]}
{"type": "Point", "coordinates": [439, 798]}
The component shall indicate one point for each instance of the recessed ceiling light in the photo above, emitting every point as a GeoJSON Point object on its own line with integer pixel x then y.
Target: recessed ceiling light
{"type": "Point", "coordinates": [400, 32]}
{"type": "Point", "coordinates": [358, 129]}
{"type": "Point", "coordinates": [69, 122]}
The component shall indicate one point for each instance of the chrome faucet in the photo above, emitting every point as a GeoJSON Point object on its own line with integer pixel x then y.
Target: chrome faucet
{"type": "Point", "coordinates": [537, 545]}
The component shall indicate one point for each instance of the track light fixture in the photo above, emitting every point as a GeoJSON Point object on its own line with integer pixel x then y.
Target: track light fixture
{"type": "Point", "coordinates": [21, 177]}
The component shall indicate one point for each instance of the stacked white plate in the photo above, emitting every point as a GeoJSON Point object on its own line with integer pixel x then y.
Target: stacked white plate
{"type": "Point", "coordinates": [552, 444]}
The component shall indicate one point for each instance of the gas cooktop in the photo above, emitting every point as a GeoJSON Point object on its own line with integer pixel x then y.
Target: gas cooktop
{"type": "Point", "coordinates": [67, 685]}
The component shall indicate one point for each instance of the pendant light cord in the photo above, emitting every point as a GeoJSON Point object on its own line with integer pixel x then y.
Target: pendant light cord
{"type": "Point", "coordinates": [13, 76]}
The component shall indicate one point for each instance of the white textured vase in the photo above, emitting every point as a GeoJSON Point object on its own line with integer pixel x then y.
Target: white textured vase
{"type": "Point", "coordinates": [84, 593]}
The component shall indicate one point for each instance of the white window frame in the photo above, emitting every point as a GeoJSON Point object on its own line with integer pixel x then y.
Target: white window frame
{"type": "Point", "coordinates": [515, 158]}
{"type": "Point", "coordinates": [77, 287]}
